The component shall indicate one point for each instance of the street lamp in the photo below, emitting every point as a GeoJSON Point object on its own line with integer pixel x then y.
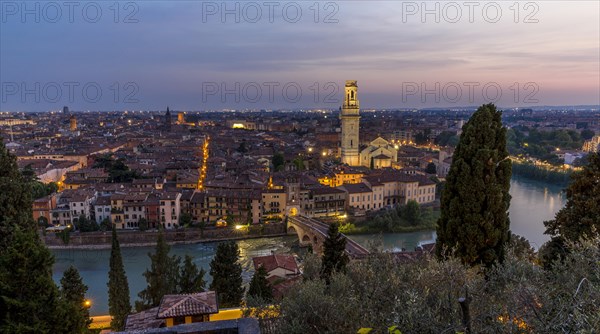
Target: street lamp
{"type": "Point", "coordinates": [87, 303]}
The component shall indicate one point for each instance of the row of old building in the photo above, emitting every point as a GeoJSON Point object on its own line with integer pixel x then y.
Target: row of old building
{"type": "Point", "coordinates": [244, 201]}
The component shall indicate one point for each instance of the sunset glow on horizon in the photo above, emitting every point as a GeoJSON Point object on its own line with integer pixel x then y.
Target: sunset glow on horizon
{"type": "Point", "coordinates": [177, 49]}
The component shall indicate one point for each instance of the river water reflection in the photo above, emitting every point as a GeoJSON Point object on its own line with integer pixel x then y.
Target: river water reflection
{"type": "Point", "coordinates": [532, 203]}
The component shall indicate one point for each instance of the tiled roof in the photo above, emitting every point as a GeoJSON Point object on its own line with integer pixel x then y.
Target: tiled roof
{"type": "Point", "coordinates": [356, 188]}
{"type": "Point", "coordinates": [326, 190]}
{"type": "Point", "coordinates": [104, 200]}
{"type": "Point", "coordinates": [187, 305]}
{"type": "Point", "coordinates": [143, 320]}
{"type": "Point", "coordinates": [272, 262]}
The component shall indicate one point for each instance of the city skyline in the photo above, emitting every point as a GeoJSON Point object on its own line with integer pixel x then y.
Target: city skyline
{"type": "Point", "coordinates": [191, 57]}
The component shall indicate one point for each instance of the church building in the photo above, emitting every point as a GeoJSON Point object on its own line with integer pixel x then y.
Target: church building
{"type": "Point", "coordinates": [379, 154]}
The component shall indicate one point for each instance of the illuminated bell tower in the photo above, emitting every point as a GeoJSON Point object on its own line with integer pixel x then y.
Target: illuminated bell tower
{"type": "Point", "coordinates": [73, 123]}
{"type": "Point", "coordinates": [350, 117]}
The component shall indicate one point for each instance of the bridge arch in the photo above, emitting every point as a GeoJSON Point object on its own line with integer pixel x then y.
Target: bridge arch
{"type": "Point", "coordinates": [291, 230]}
{"type": "Point", "coordinates": [313, 232]}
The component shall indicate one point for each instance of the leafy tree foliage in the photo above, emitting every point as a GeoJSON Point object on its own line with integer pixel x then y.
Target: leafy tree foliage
{"type": "Point", "coordinates": [104, 161]}
{"type": "Point", "coordinates": [259, 285]}
{"type": "Point", "coordinates": [474, 223]}
{"type": "Point", "coordinates": [27, 291]}
{"type": "Point", "coordinates": [431, 169]}
{"type": "Point", "coordinates": [542, 144]}
{"type": "Point", "coordinates": [412, 212]}
{"type": "Point", "coordinates": [185, 219]}
{"type": "Point", "coordinates": [84, 224]}
{"type": "Point", "coordinates": [422, 138]}
{"type": "Point", "coordinates": [334, 258]}
{"type": "Point", "coordinates": [278, 161]}
{"type": "Point", "coordinates": [422, 296]}
{"type": "Point", "coordinates": [106, 225]}
{"type": "Point", "coordinates": [118, 171]}
{"type": "Point", "coordinates": [521, 248]}
{"type": "Point", "coordinates": [555, 176]}
{"type": "Point", "coordinates": [446, 138]}
{"type": "Point", "coordinates": [29, 299]}
{"type": "Point", "coordinates": [73, 293]}
{"type": "Point", "coordinates": [581, 215]}
{"type": "Point", "coordinates": [191, 279]}
{"type": "Point", "coordinates": [202, 226]}
{"type": "Point", "coordinates": [15, 198]}
{"type": "Point", "coordinates": [226, 272]}
{"type": "Point", "coordinates": [65, 235]}
{"type": "Point", "coordinates": [587, 134]}
{"type": "Point", "coordinates": [167, 276]}
{"type": "Point", "coordinates": [553, 251]}
{"type": "Point", "coordinates": [29, 174]}
{"type": "Point", "coordinates": [119, 305]}
{"type": "Point", "coordinates": [162, 277]}
{"type": "Point", "coordinates": [243, 148]}
{"type": "Point", "coordinates": [299, 163]}
{"type": "Point", "coordinates": [142, 224]}
{"type": "Point", "coordinates": [39, 189]}
{"type": "Point", "coordinates": [402, 218]}
{"type": "Point", "coordinates": [43, 222]}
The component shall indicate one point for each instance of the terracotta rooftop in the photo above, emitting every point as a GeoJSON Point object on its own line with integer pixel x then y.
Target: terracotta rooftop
{"type": "Point", "coordinates": [187, 305]}
{"type": "Point", "coordinates": [143, 320]}
{"type": "Point", "coordinates": [356, 188]}
{"type": "Point", "coordinates": [326, 190]}
{"type": "Point", "coordinates": [272, 262]}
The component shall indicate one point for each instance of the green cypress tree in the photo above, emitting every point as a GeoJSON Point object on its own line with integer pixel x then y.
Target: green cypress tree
{"type": "Point", "coordinates": [334, 257]}
{"type": "Point", "coordinates": [226, 272]}
{"type": "Point", "coordinates": [259, 285]}
{"type": "Point", "coordinates": [119, 305]}
{"type": "Point", "coordinates": [474, 222]}
{"type": "Point", "coordinates": [73, 294]}
{"type": "Point", "coordinates": [412, 212]}
{"type": "Point", "coordinates": [29, 299]}
{"type": "Point", "coordinates": [162, 277]}
{"type": "Point", "coordinates": [580, 218]}
{"type": "Point", "coordinates": [15, 198]}
{"type": "Point", "coordinates": [191, 279]}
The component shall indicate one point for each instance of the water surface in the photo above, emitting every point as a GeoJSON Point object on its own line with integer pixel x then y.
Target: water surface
{"type": "Point", "coordinates": [532, 203]}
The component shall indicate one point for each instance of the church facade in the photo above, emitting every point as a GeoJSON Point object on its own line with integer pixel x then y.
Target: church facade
{"type": "Point", "coordinates": [379, 154]}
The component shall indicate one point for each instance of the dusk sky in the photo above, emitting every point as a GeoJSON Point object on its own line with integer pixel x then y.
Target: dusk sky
{"type": "Point", "coordinates": [183, 53]}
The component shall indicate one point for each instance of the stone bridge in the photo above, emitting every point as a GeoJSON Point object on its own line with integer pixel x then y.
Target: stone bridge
{"type": "Point", "coordinates": [313, 232]}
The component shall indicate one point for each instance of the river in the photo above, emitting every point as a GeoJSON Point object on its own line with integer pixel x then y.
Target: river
{"type": "Point", "coordinates": [532, 203]}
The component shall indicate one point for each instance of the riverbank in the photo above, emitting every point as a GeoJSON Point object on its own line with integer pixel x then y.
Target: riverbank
{"type": "Point", "coordinates": [134, 238]}
{"type": "Point", "coordinates": [550, 175]}
{"type": "Point", "coordinates": [396, 220]}
{"type": "Point", "coordinates": [93, 264]}
{"type": "Point", "coordinates": [351, 229]}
